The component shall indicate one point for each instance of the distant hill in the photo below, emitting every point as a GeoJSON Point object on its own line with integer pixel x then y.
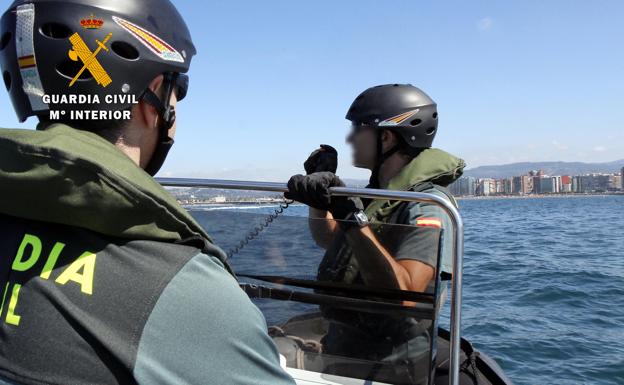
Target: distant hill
{"type": "Point", "coordinates": [550, 168]}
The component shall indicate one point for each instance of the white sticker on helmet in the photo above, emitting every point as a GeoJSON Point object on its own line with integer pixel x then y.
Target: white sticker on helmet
{"type": "Point", "coordinates": [151, 41]}
{"type": "Point", "coordinates": [26, 57]}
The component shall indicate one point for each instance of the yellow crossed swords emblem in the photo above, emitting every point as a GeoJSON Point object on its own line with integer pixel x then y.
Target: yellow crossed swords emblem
{"type": "Point", "coordinates": [81, 51]}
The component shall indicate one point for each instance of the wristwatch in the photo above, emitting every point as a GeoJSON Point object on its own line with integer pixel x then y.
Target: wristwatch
{"type": "Point", "coordinates": [357, 219]}
{"type": "Point", "coordinates": [361, 218]}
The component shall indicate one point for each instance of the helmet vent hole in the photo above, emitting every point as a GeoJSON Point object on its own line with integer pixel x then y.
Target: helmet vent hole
{"type": "Point", "coordinates": [125, 50]}
{"type": "Point", "coordinates": [435, 115]}
{"type": "Point", "coordinates": [55, 31]}
{"type": "Point", "coordinates": [430, 131]}
{"type": "Point", "coordinates": [6, 76]}
{"type": "Point", "coordinates": [415, 122]}
{"type": "Point", "coordinates": [4, 41]}
{"type": "Point", "coordinates": [69, 69]}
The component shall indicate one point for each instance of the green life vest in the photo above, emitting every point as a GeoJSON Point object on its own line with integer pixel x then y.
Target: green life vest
{"type": "Point", "coordinates": [430, 171]}
{"type": "Point", "coordinates": [77, 178]}
{"type": "Point", "coordinates": [431, 166]}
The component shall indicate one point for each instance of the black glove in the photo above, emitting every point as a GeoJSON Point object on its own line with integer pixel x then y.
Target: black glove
{"type": "Point", "coordinates": [322, 159]}
{"type": "Point", "coordinates": [313, 190]}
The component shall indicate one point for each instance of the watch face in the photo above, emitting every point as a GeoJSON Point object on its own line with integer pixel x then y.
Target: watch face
{"type": "Point", "coordinates": [361, 218]}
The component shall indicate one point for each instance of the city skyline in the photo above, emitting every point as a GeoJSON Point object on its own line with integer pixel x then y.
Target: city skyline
{"type": "Point", "coordinates": [554, 167]}
{"type": "Point", "coordinates": [537, 182]}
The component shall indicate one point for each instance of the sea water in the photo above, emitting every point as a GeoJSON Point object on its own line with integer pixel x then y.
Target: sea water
{"type": "Point", "coordinates": [543, 283]}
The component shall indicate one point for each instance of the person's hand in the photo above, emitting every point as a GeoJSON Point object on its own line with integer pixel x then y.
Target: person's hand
{"type": "Point", "coordinates": [313, 190]}
{"type": "Point", "coordinates": [322, 159]}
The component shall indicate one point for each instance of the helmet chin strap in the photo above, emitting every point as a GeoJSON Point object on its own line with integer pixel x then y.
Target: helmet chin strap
{"type": "Point", "coordinates": [380, 159]}
{"type": "Point", "coordinates": [167, 116]}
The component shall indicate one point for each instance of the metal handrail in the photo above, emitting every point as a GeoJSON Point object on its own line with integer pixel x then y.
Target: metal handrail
{"type": "Point", "coordinates": [409, 196]}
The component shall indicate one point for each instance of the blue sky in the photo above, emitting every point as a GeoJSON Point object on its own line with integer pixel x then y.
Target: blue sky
{"type": "Point", "coordinates": [514, 81]}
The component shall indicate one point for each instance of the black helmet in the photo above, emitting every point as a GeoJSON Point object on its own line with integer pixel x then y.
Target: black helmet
{"type": "Point", "coordinates": [402, 108]}
{"type": "Point", "coordinates": [45, 43]}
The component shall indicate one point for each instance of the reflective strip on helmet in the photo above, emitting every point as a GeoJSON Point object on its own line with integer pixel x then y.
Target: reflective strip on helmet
{"type": "Point", "coordinates": [154, 43]}
{"type": "Point", "coordinates": [396, 120]}
{"type": "Point", "coordinates": [26, 57]}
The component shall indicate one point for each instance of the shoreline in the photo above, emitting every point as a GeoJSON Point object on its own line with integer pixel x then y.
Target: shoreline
{"type": "Point", "coordinates": [536, 196]}
{"type": "Point", "coordinates": [274, 202]}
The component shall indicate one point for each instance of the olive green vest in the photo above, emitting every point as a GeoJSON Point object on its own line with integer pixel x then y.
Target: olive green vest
{"type": "Point", "coordinates": [77, 178]}
{"type": "Point", "coordinates": [432, 167]}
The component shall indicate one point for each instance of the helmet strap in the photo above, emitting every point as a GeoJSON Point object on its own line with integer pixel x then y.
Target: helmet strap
{"type": "Point", "coordinates": [380, 159]}
{"type": "Point", "coordinates": [167, 116]}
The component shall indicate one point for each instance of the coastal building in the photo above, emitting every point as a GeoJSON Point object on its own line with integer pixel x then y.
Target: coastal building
{"type": "Point", "coordinates": [508, 186]}
{"type": "Point", "coordinates": [537, 182]}
{"type": "Point", "coordinates": [594, 183]}
{"type": "Point", "coordinates": [518, 185]}
{"type": "Point", "coordinates": [219, 199]}
{"type": "Point", "coordinates": [547, 185]}
{"type": "Point", "coordinates": [471, 186]}
{"type": "Point", "coordinates": [585, 183]}
{"type": "Point", "coordinates": [601, 182]}
{"type": "Point", "coordinates": [566, 184]}
{"type": "Point", "coordinates": [468, 185]}
{"type": "Point", "coordinates": [499, 186]}
{"type": "Point", "coordinates": [454, 188]}
{"type": "Point", "coordinates": [556, 184]}
{"type": "Point", "coordinates": [522, 185]}
{"type": "Point", "coordinates": [486, 187]}
{"type": "Point", "coordinates": [527, 184]}
{"type": "Point", "coordinates": [616, 184]}
{"type": "Point", "coordinates": [464, 186]}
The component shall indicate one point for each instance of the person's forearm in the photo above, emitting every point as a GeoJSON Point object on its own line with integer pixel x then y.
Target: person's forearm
{"type": "Point", "coordinates": [322, 226]}
{"type": "Point", "coordinates": [377, 266]}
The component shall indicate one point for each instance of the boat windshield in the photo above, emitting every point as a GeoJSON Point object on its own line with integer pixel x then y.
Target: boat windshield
{"type": "Point", "coordinates": [333, 309]}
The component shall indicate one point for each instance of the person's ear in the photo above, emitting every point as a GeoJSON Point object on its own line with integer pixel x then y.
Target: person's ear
{"type": "Point", "coordinates": [388, 139]}
{"type": "Point", "coordinates": [148, 112]}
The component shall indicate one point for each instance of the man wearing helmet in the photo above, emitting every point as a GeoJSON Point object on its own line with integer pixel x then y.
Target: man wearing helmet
{"type": "Point", "coordinates": [105, 279]}
{"type": "Point", "coordinates": [393, 127]}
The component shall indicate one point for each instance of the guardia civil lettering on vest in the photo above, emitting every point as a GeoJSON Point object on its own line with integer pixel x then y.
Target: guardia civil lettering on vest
{"type": "Point", "coordinates": [31, 255]}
